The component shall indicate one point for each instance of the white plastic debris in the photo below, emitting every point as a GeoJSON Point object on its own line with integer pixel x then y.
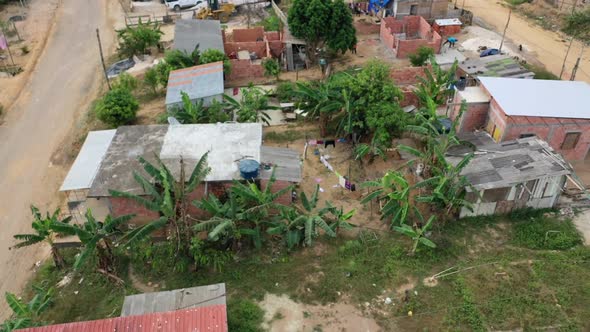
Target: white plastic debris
{"type": "Point", "coordinates": [388, 300]}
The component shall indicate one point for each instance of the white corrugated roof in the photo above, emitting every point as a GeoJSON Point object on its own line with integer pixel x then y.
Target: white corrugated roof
{"type": "Point", "coordinates": [543, 98]}
{"type": "Point", "coordinates": [86, 165]}
{"type": "Point", "coordinates": [447, 21]}
{"type": "Point", "coordinates": [198, 82]}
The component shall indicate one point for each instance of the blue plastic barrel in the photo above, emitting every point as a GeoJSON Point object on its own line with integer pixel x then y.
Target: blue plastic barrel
{"type": "Point", "coordinates": [249, 169]}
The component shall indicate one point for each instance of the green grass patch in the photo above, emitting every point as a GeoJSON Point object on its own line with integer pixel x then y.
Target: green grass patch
{"type": "Point", "coordinates": [284, 136]}
{"type": "Point", "coordinates": [546, 233]}
{"type": "Point", "coordinates": [500, 283]}
{"type": "Point", "coordinates": [244, 316]}
{"type": "Point", "coordinates": [540, 72]}
{"type": "Point", "coordinates": [517, 2]}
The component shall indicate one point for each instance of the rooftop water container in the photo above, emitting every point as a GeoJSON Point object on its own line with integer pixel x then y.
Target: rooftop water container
{"type": "Point", "coordinates": [249, 169]}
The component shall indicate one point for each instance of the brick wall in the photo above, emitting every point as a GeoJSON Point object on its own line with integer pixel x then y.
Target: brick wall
{"type": "Point", "coordinates": [366, 28]}
{"type": "Point", "coordinates": [447, 30]}
{"type": "Point", "coordinates": [279, 185]}
{"type": "Point", "coordinates": [407, 75]}
{"type": "Point", "coordinates": [247, 35]}
{"type": "Point", "coordinates": [121, 206]}
{"type": "Point", "coordinates": [475, 117]}
{"type": "Point", "coordinates": [257, 47]}
{"type": "Point", "coordinates": [244, 69]}
{"type": "Point", "coordinates": [418, 33]}
{"type": "Point", "coordinates": [410, 97]}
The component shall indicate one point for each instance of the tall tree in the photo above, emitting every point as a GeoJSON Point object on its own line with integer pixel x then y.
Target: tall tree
{"type": "Point", "coordinates": [319, 100]}
{"type": "Point", "coordinates": [44, 228]}
{"type": "Point", "coordinates": [322, 22]}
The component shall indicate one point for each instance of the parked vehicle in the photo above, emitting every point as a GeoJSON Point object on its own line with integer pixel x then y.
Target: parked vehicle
{"type": "Point", "coordinates": [181, 4]}
{"type": "Point", "coordinates": [489, 51]}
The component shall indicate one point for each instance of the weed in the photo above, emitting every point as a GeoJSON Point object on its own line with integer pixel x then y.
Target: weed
{"type": "Point", "coordinates": [244, 316]}
{"type": "Point", "coordinates": [517, 2]}
{"type": "Point", "coordinates": [466, 313]}
{"type": "Point", "coordinates": [285, 136]}
{"type": "Point", "coordinates": [25, 50]}
{"type": "Point", "coordinates": [540, 72]}
{"type": "Point", "coordinates": [546, 233]}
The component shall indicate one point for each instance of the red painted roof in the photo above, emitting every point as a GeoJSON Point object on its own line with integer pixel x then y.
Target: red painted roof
{"type": "Point", "coordinates": [202, 319]}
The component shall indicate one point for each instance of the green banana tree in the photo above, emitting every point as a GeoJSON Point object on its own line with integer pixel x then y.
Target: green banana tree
{"type": "Point", "coordinates": [395, 190]}
{"type": "Point", "coordinates": [339, 219]}
{"type": "Point", "coordinates": [247, 211]}
{"type": "Point", "coordinates": [319, 100]}
{"type": "Point", "coordinates": [417, 234]}
{"type": "Point", "coordinates": [197, 112]}
{"type": "Point", "coordinates": [167, 197]}
{"type": "Point", "coordinates": [26, 314]}
{"type": "Point", "coordinates": [251, 107]}
{"type": "Point", "coordinates": [44, 231]}
{"type": "Point", "coordinates": [302, 223]}
{"type": "Point", "coordinates": [96, 238]}
{"type": "Point", "coordinates": [437, 83]}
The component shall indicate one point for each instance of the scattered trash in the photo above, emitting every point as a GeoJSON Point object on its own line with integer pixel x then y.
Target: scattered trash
{"type": "Point", "coordinates": [410, 313]}
{"type": "Point", "coordinates": [348, 274]}
{"type": "Point", "coordinates": [38, 264]}
{"type": "Point", "coordinates": [322, 190]}
{"type": "Point", "coordinates": [339, 293]}
{"type": "Point", "coordinates": [76, 292]}
{"type": "Point", "coordinates": [336, 186]}
{"type": "Point", "coordinates": [318, 180]}
{"type": "Point", "coordinates": [80, 282]}
{"type": "Point", "coordinates": [388, 300]}
{"type": "Point", "coordinates": [65, 281]}
{"type": "Point", "coordinates": [367, 304]}
{"type": "Point", "coordinates": [374, 285]}
{"type": "Point", "coordinates": [277, 284]}
{"type": "Point", "coordinates": [416, 293]}
{"type": "Point", "coordinates": [567, 212]}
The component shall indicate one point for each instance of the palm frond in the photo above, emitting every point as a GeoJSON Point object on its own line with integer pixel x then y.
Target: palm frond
{"type": "Point", "coordinates": [142, 232]}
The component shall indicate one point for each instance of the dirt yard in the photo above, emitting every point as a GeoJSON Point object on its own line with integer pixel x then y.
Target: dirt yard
{"type": "Point", "coordinates": [56, 91]}
{"type": "Point", "coordinates": [546, 46]}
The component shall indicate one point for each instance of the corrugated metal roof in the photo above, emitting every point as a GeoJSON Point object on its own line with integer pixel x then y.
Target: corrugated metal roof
{"type": "Point", "coordinates": [198, 82]}
{"type": "Point", "coordinates": [88, 161]}
{"type": "Point", "coordinates": [287, 162]}
{"type": "Point", "coordinates": [188, 33]}
{"type": "Point", "coordinates": [210, 319]}
{"type": "Point", "coordinates": [543, 98]}
{"type": "Point", "coordinates": [501, 165]}
{"type": "Point", "coordinates": [185, 298]}
{"type": "Point", "coordinates": [447, 21]}
{"type": "Point", "coordinates": [499, 65]}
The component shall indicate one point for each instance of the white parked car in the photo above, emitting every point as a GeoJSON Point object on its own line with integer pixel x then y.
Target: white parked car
{"type": "Point", "coordinates": [181, 4]}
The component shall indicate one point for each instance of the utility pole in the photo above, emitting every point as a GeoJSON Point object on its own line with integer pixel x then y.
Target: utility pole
{"type": "Point", "coordinates": [505, 28]}
{"type": "Point", "coordinates": [104, 68]}
{"type": "Point", "coordinates": [573, 77]}
{"type": "Point", "coordinates": [564, 59]}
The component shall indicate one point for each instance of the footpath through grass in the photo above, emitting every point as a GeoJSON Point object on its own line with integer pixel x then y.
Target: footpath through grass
{"type": "Point", "coordinates": [526, 272]}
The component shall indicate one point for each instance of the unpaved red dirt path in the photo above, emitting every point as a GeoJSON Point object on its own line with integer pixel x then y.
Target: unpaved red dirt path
{"type": "Point", "coordinates": [64, 80]}
{"type": "Point", "coordinates": [547, 46]}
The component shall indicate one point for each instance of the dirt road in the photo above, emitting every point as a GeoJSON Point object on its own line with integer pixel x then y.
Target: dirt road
{"type": "Point", "coordinates": [66, 77]}
{"type": "Point", "coordinates": [547, 46]}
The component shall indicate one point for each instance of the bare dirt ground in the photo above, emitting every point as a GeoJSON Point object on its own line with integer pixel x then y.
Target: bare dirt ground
{"type": "Point", "coordinates": [285, 315]}
{"type": "Point", "coordinates": [547, 46]}
{"type": "Point", "coordinates": [59, 89]}
{"type": "Point", "coordinates": [34, 32]}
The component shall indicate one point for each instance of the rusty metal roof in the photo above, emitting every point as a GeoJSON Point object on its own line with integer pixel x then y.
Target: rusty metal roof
{"type": "Point", "coordinates": [210, 319]}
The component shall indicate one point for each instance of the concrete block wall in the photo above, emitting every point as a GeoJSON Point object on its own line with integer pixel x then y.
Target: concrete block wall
{"type": "Point", "coordinates": [426, 8]}
{"type": "Point", "coordinates": [257, 47]}
{"type": "Point", "coordinates": [385, 33]}
{"type": "Point", "coordinates": [447, 30]}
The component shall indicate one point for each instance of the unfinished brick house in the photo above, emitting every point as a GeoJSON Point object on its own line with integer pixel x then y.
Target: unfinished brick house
{"type": "Point", "coordinates": [108, 160]}
{"type": "Point", "coordinates": [404, 36]}
{"type": "Point", "coordinates": [512, 108]}
{"type": "Point", "coordinates": [407, 79]}
{"type": "Point", "coordinates": [247, 48]}
{"type": "Point", "coordinates": [428, 9]}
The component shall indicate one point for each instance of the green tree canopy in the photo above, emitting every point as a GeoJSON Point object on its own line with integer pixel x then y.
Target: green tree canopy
{"type": "Point", "coordinates": [322, 22]}
{"type": "Point", "coordinates": [137, 40]}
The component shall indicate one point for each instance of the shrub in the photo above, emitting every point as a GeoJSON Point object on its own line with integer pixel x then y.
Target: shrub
{"type": "Point", "coordinates": [125, 82]}
{"type": "Point", "coordinates": [421, 55]}
{"type": "Point", "coordinates": [541, 73]}
{"type": "Point", "coordinates": [25, 50]}
{"type": "Point", "coordinates": [285, 92]}
{"type": "Point", "coordinates": [546, 233]}
{"type": "Point", "coordinates": [117, 107]}
{"type": "Point", "coordinates": [178, 59]}
{"type": "Point", "coordinates": [271, 22]}
{"type": "Point", "coordinates": [213, 55]}
{"type": "Point", "coordinates": [151, 80]}
{"type": "Point", "coordinates": [244, 316]}
{"type": "Point", "coordinates": [272, 68]}
{"type": "Point", "coordinates": [137, 40]}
